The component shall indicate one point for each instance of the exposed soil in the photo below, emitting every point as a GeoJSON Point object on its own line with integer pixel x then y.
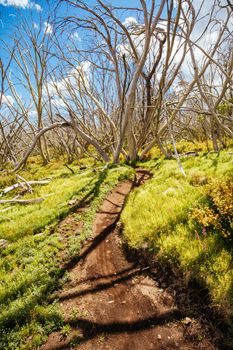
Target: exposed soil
{"type": "Point", "coordinates": [111, 302]}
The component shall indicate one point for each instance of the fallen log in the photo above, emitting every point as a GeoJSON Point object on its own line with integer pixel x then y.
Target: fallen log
{"type": "Point", "coordinates": [3, 243]}
{"type": "Point", "coordinates": [18, 185]}
{"type": "Point", "coordinates": [29, 187]}
{"type": "Point", "coordinates": [4, 218]}
{"type": "Point", "coordinates": [6, 209]}
{"type": "Point", "coordinates": [189, 154]}
{"type": "Point", "coordinates": [22, 201]}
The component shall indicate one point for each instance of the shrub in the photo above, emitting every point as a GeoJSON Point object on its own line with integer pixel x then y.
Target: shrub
{"type": "Point", "coordinates": [217, 212]}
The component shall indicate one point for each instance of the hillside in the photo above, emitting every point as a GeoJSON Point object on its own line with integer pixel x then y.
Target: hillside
{"type": "Point", "coordinates": [116, 175]}
{"type": "Point", "coordinates": [183, 225]}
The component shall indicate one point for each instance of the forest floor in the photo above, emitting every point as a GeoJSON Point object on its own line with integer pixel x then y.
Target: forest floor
{"type": "Point", "coordinates": [113, 302]}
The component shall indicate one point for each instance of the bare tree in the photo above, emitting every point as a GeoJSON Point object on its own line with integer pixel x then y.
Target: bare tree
{"type": "Point", "coordinates": [201, 70]}
{"type": "Point", "coordinates": [8, 128]}
{"type": "Point", "coordinates": [111, 34]}
{"type": "Point", "coordinates": [30, 60]}
{"type": "Point", "coordinates": [129, 84]}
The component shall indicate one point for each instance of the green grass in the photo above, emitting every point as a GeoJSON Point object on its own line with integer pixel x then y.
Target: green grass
{"type": "Point", "coordinates": [31, 266]}
{"type": "Point", "coordinates": [165, 225]}
{"type": "Point", "coordinates": [26, 219]}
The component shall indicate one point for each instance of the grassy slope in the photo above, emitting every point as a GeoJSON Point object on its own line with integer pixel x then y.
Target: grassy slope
{"type": "Point", "coordinates": [165, 226]}
{"type": "Point", "coordinates": [30, 267]}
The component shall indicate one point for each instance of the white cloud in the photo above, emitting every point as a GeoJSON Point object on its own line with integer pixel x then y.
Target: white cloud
{"type": "Point", "coordinates": [124, 49]}
{"type": "Point", "coordinates": [184, 4]}
{"type": "Point", "coordinates": [37, 7]}
{"type": "Point", "coordinates": [24, 4]}
{"type": "Point", "coordinates": [85, 67]}
{"type": "Point", "coordinates": [35, 26]}
{"type": "Point", "coordinates": [206, 41]}
{"type": "Point", "coordinates": [130, 21]}
{"type": "Point", "coordinates": [32, 114]}
{"type": "Point", "coordinates": [48, 29]}
{"type": "Point", "coordinates": [8, 100]}
{"type": "Point", "coordinates": [76, 36]}
{"type": "Point", "coordinates": [58, 103]}
{"type": "Point", "coordinates": [76, 78]}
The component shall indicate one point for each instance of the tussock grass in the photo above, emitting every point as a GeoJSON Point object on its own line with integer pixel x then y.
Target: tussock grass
{"type": "Point", "coordinates": [158, 216]}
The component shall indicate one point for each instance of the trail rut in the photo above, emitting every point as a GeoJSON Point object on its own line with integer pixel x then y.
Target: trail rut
{"type": "Point", "coordinates": [112, 303]}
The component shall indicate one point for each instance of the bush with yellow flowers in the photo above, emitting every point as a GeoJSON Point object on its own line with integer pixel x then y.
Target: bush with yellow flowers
{"type": "Point", "coordinates": [217, 211]}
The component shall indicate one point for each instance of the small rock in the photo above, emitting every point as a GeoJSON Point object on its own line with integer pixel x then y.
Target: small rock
{"type": "Point", "coordinates": [159, 337]}
{"type": "Point", "coordinates": [145, 246]}
{"type": "Point", "coordinates": [72, 202]}
{"type": "Point", "coordinates": [3, 243]}
{"type": "Point", "coordinates": [187, 321]}
{"type": "Point", "coordinates": [111, 301]}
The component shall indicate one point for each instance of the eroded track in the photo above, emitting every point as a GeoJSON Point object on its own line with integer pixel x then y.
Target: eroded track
{"type": "Point", "coordinates": [112, 303]}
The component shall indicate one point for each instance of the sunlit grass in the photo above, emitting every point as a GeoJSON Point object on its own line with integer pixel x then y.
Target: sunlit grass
{"type": "Point", "coordinates": [31, 266]}
{"type": "Point", "coordinates": [163, 204]}
{"type": "Point", "coordinates": [158, 216]}
{"type": "Point", "coordinates": [26, 219]}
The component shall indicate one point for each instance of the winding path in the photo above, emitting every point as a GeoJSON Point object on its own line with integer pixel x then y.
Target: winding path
{"type": "Point", "coordinates": [112, 303]}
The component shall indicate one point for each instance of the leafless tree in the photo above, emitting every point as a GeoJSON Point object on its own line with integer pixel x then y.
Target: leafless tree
{"type": "Point", "coordinates": [129, 84]}
{"type": "Point", "coordinates": [134, 52]}
{"type": "Point", "coordinates": [201, 71]}
{"type": "Point", "coordinates": [30, 61]}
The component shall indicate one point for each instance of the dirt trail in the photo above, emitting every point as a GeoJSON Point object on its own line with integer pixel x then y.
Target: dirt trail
{"type": "Point", "coordinates": [111, 303]}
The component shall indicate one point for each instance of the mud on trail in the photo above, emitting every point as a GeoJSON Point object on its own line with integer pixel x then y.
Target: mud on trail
{"type": "Point", "coordinates": [111, 303]}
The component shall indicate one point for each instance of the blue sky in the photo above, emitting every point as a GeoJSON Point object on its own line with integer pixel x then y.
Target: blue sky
{"type": "Point", "coordinates": [13, 12]}
{"type": "Point", "coordinates": [10, 15]}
